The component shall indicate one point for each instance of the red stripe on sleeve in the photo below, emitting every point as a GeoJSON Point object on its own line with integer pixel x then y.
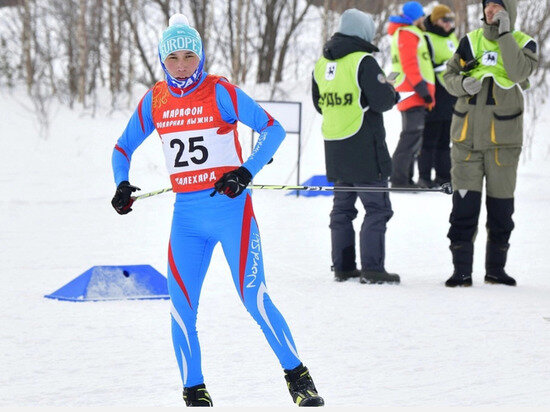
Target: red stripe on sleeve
{"type": "Point", "coordinates": [121, 150]}
{"type": "Point", "coordinates": [233, 94]}
{"type": "Point", "coordinates": [176, 274]}
{"type": "Point", "coordinates": [270, 120]}
{"type": "Point", "coordinates": [140, 114]}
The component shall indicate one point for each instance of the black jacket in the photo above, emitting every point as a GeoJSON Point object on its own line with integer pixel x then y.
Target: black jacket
{"type": "Point", "coordinates": [364, 156]}
{"type": "Point", "coordinates": [444, 102]}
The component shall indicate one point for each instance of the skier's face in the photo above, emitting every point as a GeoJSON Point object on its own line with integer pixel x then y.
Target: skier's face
{"type": "Point", "coordinates": [490, 10]}
{"type": "Point", "coordinates": [181, 64]}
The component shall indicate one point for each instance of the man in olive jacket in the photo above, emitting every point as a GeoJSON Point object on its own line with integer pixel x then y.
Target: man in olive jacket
{"type": "Point", "coordinates": [487, 74]}
{"type": "Point", "coordinates": [351, 92]}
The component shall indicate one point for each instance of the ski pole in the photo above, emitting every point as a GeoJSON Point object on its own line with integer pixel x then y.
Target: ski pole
{"type": "Point", "coordinates": [445, 188]}
{"type": "Point", "coordinates": [156, 192]}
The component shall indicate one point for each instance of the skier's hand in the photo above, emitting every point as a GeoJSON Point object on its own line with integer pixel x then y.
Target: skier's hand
{"type": "Point", "coordinates": [502, 18]}
{"type": "Point", "coordinates": [122, 200]}
{"type": "Point", "coordinates": [471, 85]}
{"type": "Point", "coordinates": [233, 183]}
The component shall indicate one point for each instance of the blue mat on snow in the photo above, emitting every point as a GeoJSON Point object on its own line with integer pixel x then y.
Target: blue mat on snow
{"type": "Point", "coordinates": [114, 283]}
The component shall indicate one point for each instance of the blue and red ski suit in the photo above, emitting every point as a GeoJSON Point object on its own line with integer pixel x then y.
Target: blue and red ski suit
{"type": "Point", "coordinates": [199, 137]}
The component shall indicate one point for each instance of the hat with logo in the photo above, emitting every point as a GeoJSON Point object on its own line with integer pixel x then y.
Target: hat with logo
{"type": "Point", "coordinates": [179, 36]}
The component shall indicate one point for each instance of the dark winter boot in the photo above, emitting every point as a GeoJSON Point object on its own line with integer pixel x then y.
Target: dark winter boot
{"type": "Point", "coordinates": [197, 396]}
{"type": "Point", "coordinates": [463, 260]}
{"type": "Point", "coordinates": [301, 387]}
{"type": "Point", "coordinates": [425, 183]}
{"type": "Point", "coordinates": [495, 260]}
{"type": "Point", "coordinates": [343, 275]}
{"type": "Point", "coordinates": [377, 277]}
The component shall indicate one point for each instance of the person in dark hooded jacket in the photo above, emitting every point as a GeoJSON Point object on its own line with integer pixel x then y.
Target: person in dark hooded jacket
{"type": "Point", "coordinates": [351, 92]}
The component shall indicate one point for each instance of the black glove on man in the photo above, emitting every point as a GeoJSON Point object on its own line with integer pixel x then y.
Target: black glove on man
{"type": "Point", "coordinates": [233, 183]}
{"type": "Point", "coordinates": [422, 89]}
{"type": "Point", "coordinates": [122, 200]}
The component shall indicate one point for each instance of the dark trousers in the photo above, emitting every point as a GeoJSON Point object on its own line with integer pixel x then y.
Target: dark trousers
{"type": "Point", "coordinates": [373, 230]}
{"type": "Point", "coordinates": [435, 152]}
{"type": "Point", "coordinates": [465, 215]}
{"type": "Point", "coordinates": [408, 146]}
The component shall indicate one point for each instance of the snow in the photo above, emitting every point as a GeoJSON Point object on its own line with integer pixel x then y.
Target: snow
{"type": "Point", "coordinates": [417, 344]}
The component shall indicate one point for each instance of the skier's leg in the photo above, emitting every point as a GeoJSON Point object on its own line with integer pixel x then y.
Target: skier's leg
{"type": "Point", "coordinates": [189, 255]}
{"type": "Point", "coordinates": [243, 251]}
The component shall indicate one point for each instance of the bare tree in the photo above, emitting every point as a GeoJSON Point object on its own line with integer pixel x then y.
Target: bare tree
{"type": "Point", "coordinates": [237, 49]}
{"type": "Point", "coordinates": [536, 23]}
{"type": "Point", "coordinates": [26, 16]}
{"type": "Point", "coordinates": [82, 41]}
{"type": "Point", "coordinates": [137, 40]}
{"type": "Point", "coordinates": [201, 17]}
{"type": "Point", "coordinates": [296, 18]}
{"type": "Point", "coordinates": [272, 14]}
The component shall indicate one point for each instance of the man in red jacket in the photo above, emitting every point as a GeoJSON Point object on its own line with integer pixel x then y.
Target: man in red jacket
{"type": "Point", "coordinates": [415, 83]}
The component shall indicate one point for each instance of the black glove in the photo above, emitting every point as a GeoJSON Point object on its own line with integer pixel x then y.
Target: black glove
{"type": "Point", "coordinates": [122, 200]}
{"type": "Point", "coordinates": [422, 90]}
{"type": "Point", "coordinates": [428, 98]}
{"type": "Point", "coordinates": [233, 183]}
{"type": "Point", "coordinates": [397, 97]}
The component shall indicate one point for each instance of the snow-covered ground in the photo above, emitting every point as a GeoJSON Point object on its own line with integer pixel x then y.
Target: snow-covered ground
{"type": "Point", "coordinates": [416, 344]}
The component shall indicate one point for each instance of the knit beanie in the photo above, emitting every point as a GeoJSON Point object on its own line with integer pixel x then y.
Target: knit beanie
{"type": "Point", "coordinates": [493, 1]}
{"type": "Point", "coordinates": [354, 22]}
{"type": "Point", "coordinates": [179, 36]}
{"type": "Point", "coordinates": [413, 10]}
{"type": "Point", "coordinates": [441, 11]}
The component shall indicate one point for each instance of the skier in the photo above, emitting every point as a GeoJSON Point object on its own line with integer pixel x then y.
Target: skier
{"type": "Point", "coordinates": [196, 116]}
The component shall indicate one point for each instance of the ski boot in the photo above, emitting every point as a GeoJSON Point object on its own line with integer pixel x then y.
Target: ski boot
{"type": "Point", "coordinates": [301, 387]}
{"type": "Point", "coordinates": [197, 396]}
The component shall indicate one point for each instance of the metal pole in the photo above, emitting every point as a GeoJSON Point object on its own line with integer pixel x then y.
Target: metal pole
{"type": "Point", "coordinates": [445, 188]}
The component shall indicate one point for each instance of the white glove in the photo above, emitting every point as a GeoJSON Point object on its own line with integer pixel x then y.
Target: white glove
{"type": "Point", "coordinates": [471, 85]}
{"type": "Point", "coordinates": [503, 19]}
